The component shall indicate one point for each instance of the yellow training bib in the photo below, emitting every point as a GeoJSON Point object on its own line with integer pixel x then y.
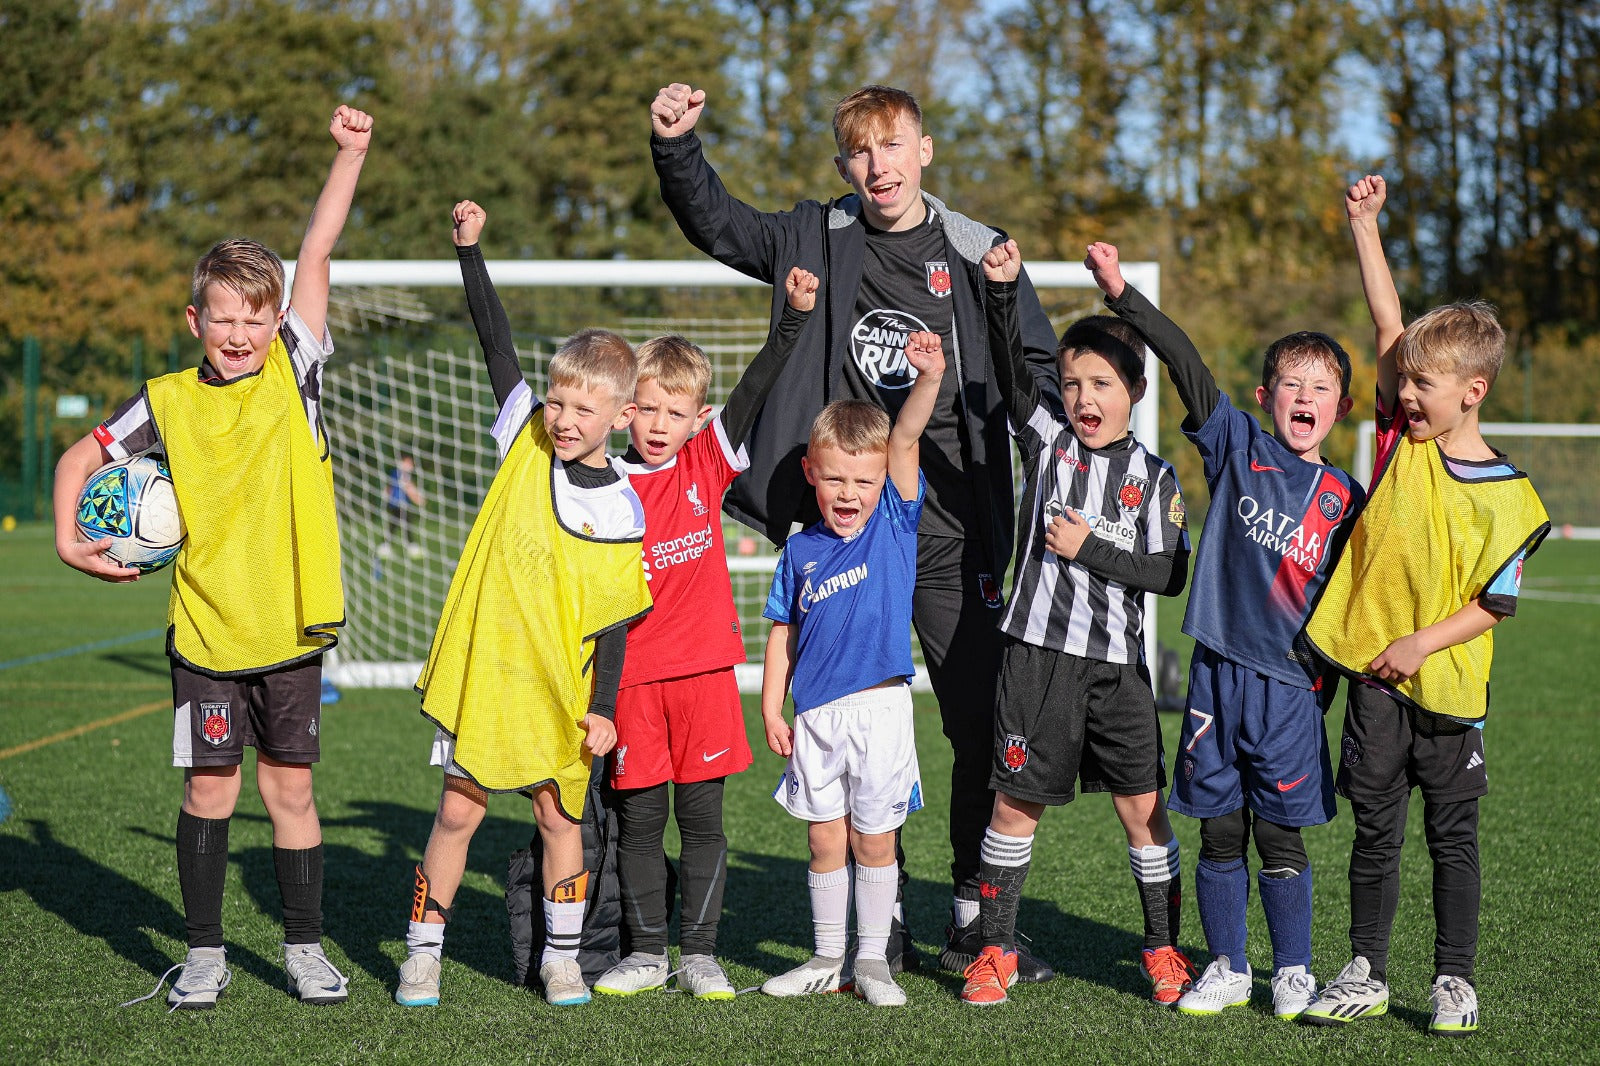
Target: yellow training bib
{"type": "Point", "coordinates": [508, 672]}
{"type": "Point", "coordinates": [256, 584]}
{"type": "Point", "coordinates": [1427, 544]}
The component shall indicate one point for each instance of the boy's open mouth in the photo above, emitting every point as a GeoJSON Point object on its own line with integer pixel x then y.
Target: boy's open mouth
{"type": "Point", "coordinates": [1090, 424]}
{"type": "Point", "coordinates": [1302, 423]}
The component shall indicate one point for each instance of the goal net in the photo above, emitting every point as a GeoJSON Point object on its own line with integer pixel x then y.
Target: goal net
{"type": "Point", "coordinates": [428, 410]}
{"type": "Point", "coordinates": [1559, 458]}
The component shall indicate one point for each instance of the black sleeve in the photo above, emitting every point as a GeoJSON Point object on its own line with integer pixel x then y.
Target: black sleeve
{"type": "Point", "coordinates": [1038, 342]}
{"type": "Point", "coordinates": [1011, 370]}
{"type": "Point", "coordinates": [1197, 389]}
{"type": "Point", "coordinates": [489, 317]}
{"type": "Point", "coordinates": [744, 402]}
{"type": "Point", "coordinates": [1164, 573]}
{"type": "Point", "coordinates": [609, 649]}
{"type": "Point", "coordinates": [719, 224]}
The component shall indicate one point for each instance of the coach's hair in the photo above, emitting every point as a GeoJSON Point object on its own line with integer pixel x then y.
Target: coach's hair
{"type": "Point", "coordinates": [680, 368]}
{"type": "Point", "coordinates": [1307, 346]}
{"type": "Point", "coordinates": [1464, 339]}
{"type": "Point", "coordinates": [853, 426]}
{"type": "Point", "coordinates": [594, 357]}
{"type": "Point", "coordinates": [249, 268]}
{"type": "Point", "coordinates": [1110, 337]}
{"type": "Point", "coordinates": [871, 112]}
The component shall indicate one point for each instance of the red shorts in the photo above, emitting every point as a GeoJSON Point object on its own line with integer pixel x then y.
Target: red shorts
{"type": "Point", "coordinates": [682, 730]}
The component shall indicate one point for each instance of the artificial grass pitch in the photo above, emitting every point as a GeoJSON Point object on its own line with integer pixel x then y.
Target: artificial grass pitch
{"type": "Point", "coordinates": [90, 911]}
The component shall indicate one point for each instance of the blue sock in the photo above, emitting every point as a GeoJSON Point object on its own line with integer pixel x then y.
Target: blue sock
{"type": "Point", "coordinates": [1221, 893]}
{"type": "Point", "coordinates": [1287, 901]}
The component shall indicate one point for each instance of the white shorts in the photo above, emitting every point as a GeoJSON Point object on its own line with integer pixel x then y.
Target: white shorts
{"type": "Point", "coordinates": [444, 754]}
{"type": "Point", "coordinates": [856, 756]}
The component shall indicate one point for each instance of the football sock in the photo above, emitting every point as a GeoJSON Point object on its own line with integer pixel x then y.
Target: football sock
{"type": "Point", "coordinates": [1155, 871]}
{"type": "Point", "coordinates": [1222, 890]}
{"type": "Point", "coordinates": [830, 904]}
{"type": "Point", "coordinates": [702, 864]}
{"type": "Point", "coordinates": [1286, 899]}
{"type": "Point", "coordinates": [642, 867]}
{"type": "Point", "coordinates": [426, 938]}
{"type": "Point", "coordinates": [1003, 863]}
{"type": "Point", "coordinates": [202, 871]}
{"type": "Point", "coordinates": [876, 887]}
{"type": "Point", "coordinates": [299, 873]}
{"type": "Point", "coordinates": [563, 929]}
{"type": "Point", "coordinates": [965, 911]}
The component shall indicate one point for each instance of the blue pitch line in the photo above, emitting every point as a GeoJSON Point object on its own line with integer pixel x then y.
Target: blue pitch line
{"type": "Point", "coordinates": [99, 645]}
{"type": "Point", "coordinates": [5, 805]}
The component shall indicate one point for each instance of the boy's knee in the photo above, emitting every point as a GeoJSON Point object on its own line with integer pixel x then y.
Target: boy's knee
{"type": "Point", "coordinates": [211, 792]}
{"type": "Point", "coordinates": [461, 806]}
{"type": "Point", "coordinates": [1224, 838]}
{"type": "Point", "coordinates": [1282, 851]}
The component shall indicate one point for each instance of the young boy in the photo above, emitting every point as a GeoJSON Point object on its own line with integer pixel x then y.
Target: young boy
{"type": "Point", "coordinates": [679, 716]}
{"type": "Point", "coordinates": [841, 639]}
{"type": "Point", "coordinates": [1102, 524]}
{"type": "Point", "coordinates": [245, 629]}
{"type": "Point", "coordinates": [1254, 748]}
{"type": "Point", "coordinates": [1434, 562]}
{"type": "Point", "coordinates": [403, 499]}
{"type": "Point", "coordinates": [522, 677]}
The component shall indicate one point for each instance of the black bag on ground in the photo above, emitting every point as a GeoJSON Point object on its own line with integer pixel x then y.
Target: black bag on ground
{"type": "Point", "coordinates": [601, 945]}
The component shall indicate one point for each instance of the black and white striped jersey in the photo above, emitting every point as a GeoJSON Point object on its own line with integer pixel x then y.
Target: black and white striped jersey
{"type": "Point", "coordinates": [1131, 501]}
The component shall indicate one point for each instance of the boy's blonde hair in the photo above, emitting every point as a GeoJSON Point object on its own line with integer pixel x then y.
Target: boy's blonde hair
{"type": "Point", "coordinates": [1464, 339]}
{"type": "Point", "coordinates": [594, 357]}
{"type": "Point", "coordinates": [680, 368]}
{"type": "Point", "coordinates": [852, 426]}
{"type": "Point", "coordinates": [248, 267]}
{"type": "Point", "coordinates": [870, 113]}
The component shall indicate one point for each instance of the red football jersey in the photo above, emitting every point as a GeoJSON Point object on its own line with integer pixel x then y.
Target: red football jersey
{"type": "Point", "coordinates": [694, 626]}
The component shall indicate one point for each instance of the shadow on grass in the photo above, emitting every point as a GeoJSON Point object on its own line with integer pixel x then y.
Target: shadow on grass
{"type": "Point", "coordinates": [107, 906]}
{"type": "Point", "coordinates": [154, 662]}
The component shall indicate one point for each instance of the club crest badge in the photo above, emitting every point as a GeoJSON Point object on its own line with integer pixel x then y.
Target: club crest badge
{"type": "Point", "coordinates": [216, 723]}
{"type": "Point", "coordinates": [1351, 752]}
{"type": "Point", "coordinates": [1177, 515]}
{"type": "Point", "coordinates": [938, 279]}
{"type": "Point", "coordinates": [1330, 505]}
{"type": "Point", "coordinates": [693, 494]}
{"type": "Point", "coordinates": [1131, 495]}
{"type": "Point", "coordinates": [989, 588]}
{"type": "Point", "coordinates": [1016, 753]}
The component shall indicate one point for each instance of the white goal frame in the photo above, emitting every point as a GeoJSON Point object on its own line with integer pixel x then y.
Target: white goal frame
{"type": "Point", "coordinates": [689, 273]}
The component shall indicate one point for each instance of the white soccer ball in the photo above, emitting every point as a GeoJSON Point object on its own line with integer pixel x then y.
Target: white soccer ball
{"type": "Point", "coordinates": [133, 502]}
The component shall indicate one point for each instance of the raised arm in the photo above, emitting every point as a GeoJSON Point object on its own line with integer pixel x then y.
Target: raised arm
{"type": "Point", "coordinates": [748, 396]}
{"type": "Point", "coordinates": [488, 316]}
{"type": "Point", "coordinates": [352, 132]}
{"type": "Point", "coordinates": [720, 225]}
{"type": "Point", "coordinates": [1363, 202]}
{"type": "Point", "coordinates": [1002, 265]}
{"type": "Point", "coordinates": [1197, 389]}
{"type": "Point", "coordinates": [925, 352]}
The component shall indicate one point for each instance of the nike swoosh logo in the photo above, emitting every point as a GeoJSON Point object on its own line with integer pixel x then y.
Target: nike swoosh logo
{"type": "Point", "coordinates": [1258, 468]}
{"type": "Point", "coordinates": [714, 756]}
{"type": "Point", "coordinates": [1285, 788]}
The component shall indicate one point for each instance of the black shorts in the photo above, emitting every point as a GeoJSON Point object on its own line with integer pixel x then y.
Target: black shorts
{"type": "Point", "coordinates": [1388, 749]}
{"type": "Point", "coordinates": [1062, 718]}
{"type": "Point", "coordinates": [279, 713]}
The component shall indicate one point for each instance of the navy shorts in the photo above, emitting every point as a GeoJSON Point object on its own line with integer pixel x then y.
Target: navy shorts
{"type": "Point", "coordinates": [1252, 741]}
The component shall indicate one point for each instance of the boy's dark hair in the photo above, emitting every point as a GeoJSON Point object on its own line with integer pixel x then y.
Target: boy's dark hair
{"type": "Point", "coordinates": [248, 267]}
{"type": "Point", "coordinates": [1112, 339]}
{"type": "Point", "coordinates": [1307, 346]}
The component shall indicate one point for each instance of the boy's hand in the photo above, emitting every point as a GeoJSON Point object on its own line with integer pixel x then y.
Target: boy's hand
{"type": "Point", "coordinates": [90, 557]}
{"type": "Point", "coordinates": [601, 734]}
{"type": "Point", "coordinates": [801, 288]}
{"type": "Point", "coordinates": [1364, 200]}
{"type": "Point", "coordinates": [351, 129]}
{"type": "Point", "coordinates": [1066, 534]}
{"type": "Point", "coordinates": [1400, 660]}
{"type": "Point", "coordinates": [469, 219]}
{"type": "Point", "coordinates": [676, 109]}
{"type": "Point", "coordinates": [780, 735]}
{"type": "Point", "coordinates": [1003, 262]}
{"type": "Point", "coordinates": [925, 352]}
{"type": "Point", "coordinates": [1103, 263]}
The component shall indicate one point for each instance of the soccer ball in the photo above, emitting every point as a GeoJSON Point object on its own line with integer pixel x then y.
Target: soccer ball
{"type": "Point", "coordinates": [132, 501]}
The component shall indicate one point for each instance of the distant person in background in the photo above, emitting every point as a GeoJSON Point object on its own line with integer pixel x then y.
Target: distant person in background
{"type": "Point", "coordinates": [403, 499]}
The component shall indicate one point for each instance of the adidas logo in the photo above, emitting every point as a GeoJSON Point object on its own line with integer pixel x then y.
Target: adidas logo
{"type": "Point", "coordinates": [1475, 761]}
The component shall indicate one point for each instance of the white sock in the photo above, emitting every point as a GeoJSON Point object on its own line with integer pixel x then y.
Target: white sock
{"type": "Point", "coordinates": [563, 928]}
{"type": "Point", "coordinates": [965, 910]}
{"type": "Point", "coordinates": [830, 906]}
{"type": "Point", "coordinates": [426, 937]}
{"type": "Point", "coordinates": [876, 887]}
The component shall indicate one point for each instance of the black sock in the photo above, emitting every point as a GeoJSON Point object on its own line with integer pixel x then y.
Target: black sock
{"type": "Point", "coordinates": [1002, 868]}
{"type": "Point", "coordinates": [300, 884]}
{"type": "Point", "coordinates": [202, 871]}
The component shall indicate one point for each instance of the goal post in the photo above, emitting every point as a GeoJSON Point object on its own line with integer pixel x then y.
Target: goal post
{"type": "Point", "coordinates": [437, 407]}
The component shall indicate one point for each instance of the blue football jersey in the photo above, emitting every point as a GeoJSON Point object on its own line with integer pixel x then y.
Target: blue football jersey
{"type": "Point", "coordinates": [1276, 526]}
{"type": "Point", "coordinates": [850, 601]}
